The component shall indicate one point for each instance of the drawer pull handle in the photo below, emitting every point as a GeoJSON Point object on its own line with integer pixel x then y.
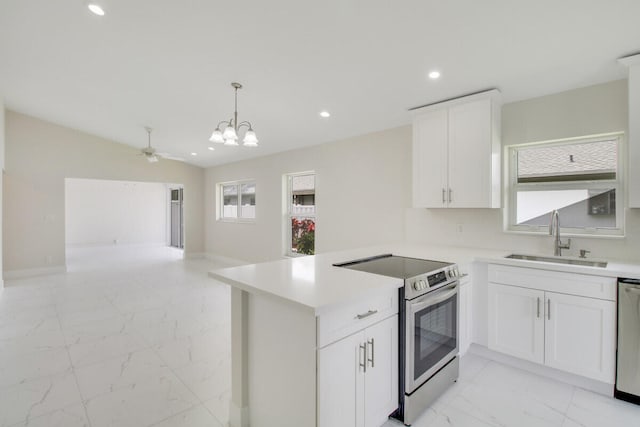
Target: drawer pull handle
{"type": "Point", "coordinates": [365, 315]}
{"type": "Point", "coordinates": [538, 307]}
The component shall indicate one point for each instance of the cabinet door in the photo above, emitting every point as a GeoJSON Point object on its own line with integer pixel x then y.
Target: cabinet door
{"type": "Point", "coordinates": [341, 383]}
{"type": "Point", "coordinates": [381, 379]}
{"type": "Point", "coordinates": [580, 335]}
{"type": "Point", "coordinates": [470, 162]}
{"type": "Point", "coordinates": [430, 159]}
{"type": "Point", "coordinates": [516, 321]}
{"type": "Point", "coordinates": [465, 315]}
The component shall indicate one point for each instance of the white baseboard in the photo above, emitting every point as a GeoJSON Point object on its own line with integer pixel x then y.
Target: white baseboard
{"type": "Point", "coordinates": [226, 260]}
{"type": "Point", "coordinates": [544, 371]}
{"type": "Point", "coordinates": [195, 255]}
{"type": "Point", "coordinates": [31, 272]}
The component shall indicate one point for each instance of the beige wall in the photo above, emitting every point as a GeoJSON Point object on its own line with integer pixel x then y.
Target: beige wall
{"type": "Point", "coordinates": [587, 111]}
{"type": "Point", "coordinates": [40, 155]}
{"type": "Point", "coordinates": [364, 183]}
{"type": "Point", "coordinates": [362, 192]}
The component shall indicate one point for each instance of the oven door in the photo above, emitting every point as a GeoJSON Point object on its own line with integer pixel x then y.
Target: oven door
{"type": "Point", "coordinates": [432, 334]}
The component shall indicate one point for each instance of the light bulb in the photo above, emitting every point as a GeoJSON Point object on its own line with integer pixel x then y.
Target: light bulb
{"type": "Point", "coordinates": [230, 142]}
{"type": "Point", "coordinates": [229, 133]}
{"type": "Point", "coordinates": [216, 136]}
{"type": "Point", "coordinates": [250, 139]}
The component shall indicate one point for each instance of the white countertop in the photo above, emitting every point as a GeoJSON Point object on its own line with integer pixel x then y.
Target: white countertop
{"type": "Point", "coordinates": [614, 268]}
{"type": "Point", "coordinates": [310, 281]}
{"type": "Point", "coordinates": [314, 283]}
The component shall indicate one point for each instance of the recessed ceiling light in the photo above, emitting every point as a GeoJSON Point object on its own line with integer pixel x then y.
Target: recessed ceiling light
{"type": "Point", "coordinates": [194, 154]}
{"type": "Point", "coordinates": [434, 75]}
{"type": "Point", "coordinates": [325, 114]}
{"type": "Point", "coordinates": [211, 148]}
{"type": "Point", "coordinates": [95, 8]}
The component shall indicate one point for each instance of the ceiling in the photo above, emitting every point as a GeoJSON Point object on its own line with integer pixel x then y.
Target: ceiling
{"type": "Point", "coordinates": [169, 64]}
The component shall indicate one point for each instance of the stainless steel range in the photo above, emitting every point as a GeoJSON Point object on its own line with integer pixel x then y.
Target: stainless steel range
{"type": "Point", "coordinates": [428, 328]}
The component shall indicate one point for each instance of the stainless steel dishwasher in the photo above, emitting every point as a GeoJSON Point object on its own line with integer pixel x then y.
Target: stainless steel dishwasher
{"type": "Point", "coordinates": [628, 362]}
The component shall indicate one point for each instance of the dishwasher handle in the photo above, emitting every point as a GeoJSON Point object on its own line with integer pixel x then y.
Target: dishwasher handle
{"type": "Point", "coordinates": [629, 281]}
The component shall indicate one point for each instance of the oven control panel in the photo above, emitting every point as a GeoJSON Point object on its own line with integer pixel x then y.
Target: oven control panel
{"type": "Point", "coordinates": [429, 281]}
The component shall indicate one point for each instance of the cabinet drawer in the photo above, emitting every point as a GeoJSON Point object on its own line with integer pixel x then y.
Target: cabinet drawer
{"type": "Point", "coordinates": [555, 281]}
{"type": "Point", "coordinates": [352, 318]}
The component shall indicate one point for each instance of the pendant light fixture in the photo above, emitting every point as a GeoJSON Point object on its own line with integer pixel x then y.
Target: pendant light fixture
{"type": "Point", "coordinates": [229, 136]}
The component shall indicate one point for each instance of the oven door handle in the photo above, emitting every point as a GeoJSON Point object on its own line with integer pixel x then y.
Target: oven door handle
{"type": "Point", "coordinates": [435, 299]}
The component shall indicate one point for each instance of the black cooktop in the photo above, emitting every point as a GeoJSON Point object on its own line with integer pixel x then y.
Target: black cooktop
{"type": "Point", "coordinates": [394, 266]}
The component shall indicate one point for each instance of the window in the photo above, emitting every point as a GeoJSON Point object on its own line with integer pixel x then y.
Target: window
{"type": "Point", "coordinates": [237, 200]}
{"type": "Point", "coordinates": [581, 178]}
{"type": "Point", "coordinates": [301, 214]}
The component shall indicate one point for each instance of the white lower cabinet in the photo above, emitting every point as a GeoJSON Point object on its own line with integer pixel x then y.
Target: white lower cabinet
{"type": "Point", "coordinates": [580, 336]}
{"type": "Point", "coordinates": [516, 322]}
{"type": "Point", "coordinates": [465, 316]}
{"type": "Point", "coordinates": [572, 333]}
{"type": "Point", "coordinates": [358, 377]}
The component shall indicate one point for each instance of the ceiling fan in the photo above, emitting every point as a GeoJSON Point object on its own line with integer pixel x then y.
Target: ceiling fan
{"type": "Point", "coordinates": [150, 153]}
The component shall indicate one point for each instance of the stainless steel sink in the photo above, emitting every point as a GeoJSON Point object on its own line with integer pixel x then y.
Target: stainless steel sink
{"type": "Point", "coordinates": [584, 262]}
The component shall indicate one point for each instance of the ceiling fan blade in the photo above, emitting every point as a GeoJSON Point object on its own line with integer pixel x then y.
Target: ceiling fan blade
{"type": "Point", "coordinates": [170, 157]}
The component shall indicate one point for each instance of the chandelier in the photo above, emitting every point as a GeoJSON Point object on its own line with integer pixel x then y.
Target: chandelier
{"type": "Point", "coordinates": [231, 128]}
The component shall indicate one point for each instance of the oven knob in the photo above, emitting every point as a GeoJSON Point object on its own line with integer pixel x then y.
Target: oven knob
{"type": "Point", "coordinates": [423, 284]}
{"type": "Point", "coordinates": [416, 286]}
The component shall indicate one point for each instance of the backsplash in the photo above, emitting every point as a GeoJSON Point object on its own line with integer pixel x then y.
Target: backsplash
{"type": "Point", "coordinates": [482, 228]}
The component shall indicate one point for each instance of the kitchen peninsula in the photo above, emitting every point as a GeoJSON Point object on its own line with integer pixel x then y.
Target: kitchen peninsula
{"type": "Point", "coordinates": [283, 312]}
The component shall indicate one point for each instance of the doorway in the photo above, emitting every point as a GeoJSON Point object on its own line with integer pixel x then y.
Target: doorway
{"type": "Point", "coordinates": [176, 218]}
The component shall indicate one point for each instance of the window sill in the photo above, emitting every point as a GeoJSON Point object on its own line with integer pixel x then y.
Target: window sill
{"type": "Point", "coordinates": [237, 221]}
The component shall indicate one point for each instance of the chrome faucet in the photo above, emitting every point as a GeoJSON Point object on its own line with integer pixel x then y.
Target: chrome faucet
{"type": "Point", "coordinates": [554, 230]}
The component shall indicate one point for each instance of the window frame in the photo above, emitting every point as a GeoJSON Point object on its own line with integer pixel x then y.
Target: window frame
{"type": "Point", "coordinates": [220, 201]}
{"type": "Point", "coordinates": [618, 184]}
{"type": "Point", "coordinates": [288, 212]}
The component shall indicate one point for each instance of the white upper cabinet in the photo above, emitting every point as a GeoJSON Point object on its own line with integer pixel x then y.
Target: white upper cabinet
{"type": "Point", "coordinates": [633, 62]}
{"type": "Point", "coordinates": [456, 153]}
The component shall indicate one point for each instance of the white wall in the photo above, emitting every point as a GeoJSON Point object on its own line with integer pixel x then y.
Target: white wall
{"type": "Point", "coordinates": [2, 145]}
{"type": "Point", "coordinates": [40, 155]}
{"type": "Point", "coordinates": [587, 111]}
{"type": "Point", "coordinates": [362, 191]}
{"type": "Point", "coordinates": [102, 212]}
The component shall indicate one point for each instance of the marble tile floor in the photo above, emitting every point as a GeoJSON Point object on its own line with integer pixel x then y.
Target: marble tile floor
{"type": "Point", "coordinates": [490, 394]}
{"type": "Point", "coordinates": [129, 336]}
{"type": "Point", "coordinates": [135, 337]}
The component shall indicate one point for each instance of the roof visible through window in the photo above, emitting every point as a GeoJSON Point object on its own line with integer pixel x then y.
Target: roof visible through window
{"type": "Point", "coordinates": [569, 162]}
